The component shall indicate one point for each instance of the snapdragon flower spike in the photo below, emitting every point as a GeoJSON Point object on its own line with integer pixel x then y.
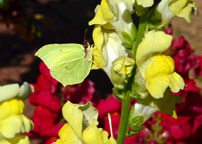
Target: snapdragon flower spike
{"type": "Point", "coordinates": [12, 120]}
{"type": "Point", "coordinates": [82, 126]}
{"type": "Point", "coordinates": [108, 32]}
{"type": "Point", "coordinates": [110, 48]}
{"type": "Point", "coordinates": [157, 69]}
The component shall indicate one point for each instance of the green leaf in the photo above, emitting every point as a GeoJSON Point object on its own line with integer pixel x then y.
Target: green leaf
{"type": "Point", "coordinates": [132, 110]}
{"type": "Point", "coordinates": [127, 45]}
{"type": "Point", "coordinates": [137, 128]}
{"type": "Point", "coordinates": [133, 32]}
{"type": "Point", "coordinates": [127, 37]}
{"type": "Point", "coordinates": [119, 94]}
{"type": "Point", "coordinates": [138, 120]}
{"type": "Point", "coordinates": [68, 63]}
{"type": "Point", "coordinates": [131, 133]}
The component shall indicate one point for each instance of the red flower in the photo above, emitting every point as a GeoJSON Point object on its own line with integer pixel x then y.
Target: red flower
{"type": "Point", "coordinates": [51, 140]}
{"type": "Point", "coordinates": [192, 100]}
{"type": "Point", "coordinates": [184, 56]}
{"type": "Point", "coordinates": [79, 93]}
{"type": "Point", "coordinates": [45, 122]}
{"type": "Point", "coordinates": [108, 105]}
{"type": "Point", "coordinates": [45, 99]}
{"type": "Point", "coordinates": [46, 72]}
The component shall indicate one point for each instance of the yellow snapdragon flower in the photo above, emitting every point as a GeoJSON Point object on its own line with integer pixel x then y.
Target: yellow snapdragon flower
{"type": "Point", "coordinates": [170, 8]}
{"type": "Point", "coordinates": [107, 34]}
{"type": "Point", "coordinates": [82, 126]}
{"type": "Point", "coordinates": [156, 68]}
{"type": "Point", "coordinates": [12, 120]}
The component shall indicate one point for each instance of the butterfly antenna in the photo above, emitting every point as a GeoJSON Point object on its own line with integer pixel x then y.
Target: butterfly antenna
{"type": "Point", "coordinates": [110, 124]}
{"type": "Point", "coordinates": [85, 43]}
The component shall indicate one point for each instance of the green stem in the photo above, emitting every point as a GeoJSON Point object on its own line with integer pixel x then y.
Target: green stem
{"type": "Point", "coordinates": [123, 126]}
{"type": "Point", "coordinates": [141, 32]}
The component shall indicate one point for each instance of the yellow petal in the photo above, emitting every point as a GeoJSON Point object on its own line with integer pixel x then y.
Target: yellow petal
{"type": "Point", "coordinates": [98, 60]}
{"type": "Point", "coordinates": [94, 135]}
{"type": "Point", "coordinates": [160, 64]}
{"type": "Point", "coordinates": [11, 107]}
{"type": "Point", "coordinates": [159, 75]}
{"type": "Point", "coordinates": [98, 37]}
{"type": "Point", "coordinates": [154, 42]}
{"type": "Point", "coordinates": [14, 124]}
{"type": "Point", "coordinates": [145, 3]}
{"type": "Point", "coordinates": [67, 136]}
{"type": "Point", "coordinates": [177, 6]}
{"type": "Point", "coordinates": [186, 12]}
{"type": "Point", "coordinates": [98, 19]}
{"type": "Point", "coordinates": [18, 139]}
{"type": "Point", "coordinates": [176, 82]}
{"type": "Point", "coordinates": [74, 117]}
{"type": "Point", "coordinates": [106, 11]}
{"type": "Point", "coordinates": [157, 85]}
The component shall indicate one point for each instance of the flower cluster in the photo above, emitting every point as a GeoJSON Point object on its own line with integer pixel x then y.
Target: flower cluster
{"type": "Point", "coordinates": [135, 60]}
{"type": "Point", "coordinates": [13, 122]}
{"type": "Point", "coordinates": [163, 128]}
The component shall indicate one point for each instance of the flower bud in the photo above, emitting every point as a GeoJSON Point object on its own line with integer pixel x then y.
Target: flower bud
{"type": "Point", "coordinates": [121, 70]}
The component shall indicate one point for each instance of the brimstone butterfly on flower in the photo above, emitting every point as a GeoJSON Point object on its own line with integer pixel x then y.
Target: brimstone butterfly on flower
{"type": "Point", "coordinates": [68, 63]}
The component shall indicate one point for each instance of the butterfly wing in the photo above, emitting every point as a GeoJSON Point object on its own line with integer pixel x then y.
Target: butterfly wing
{"type": "Point", "coordinates": [66, 62]}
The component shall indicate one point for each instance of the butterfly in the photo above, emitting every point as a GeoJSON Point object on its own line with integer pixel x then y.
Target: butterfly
{"type": "Point", "coordinates": [68, 63]}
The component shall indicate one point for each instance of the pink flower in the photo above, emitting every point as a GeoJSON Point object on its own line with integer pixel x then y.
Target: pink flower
{"type": "Point", "coordinates": [168, 31]}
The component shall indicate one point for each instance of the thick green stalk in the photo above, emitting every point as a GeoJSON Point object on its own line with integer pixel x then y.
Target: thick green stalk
{"type": "Point", "coordinates": [123, 126]}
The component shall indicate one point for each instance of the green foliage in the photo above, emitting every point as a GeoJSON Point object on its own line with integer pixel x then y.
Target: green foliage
{"type": "Point", "coordinates": [136, 124]}
{"type": "Point", "coordinates": [3, 3]}
{"type": "Point", "coordinates": [68, 63]}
